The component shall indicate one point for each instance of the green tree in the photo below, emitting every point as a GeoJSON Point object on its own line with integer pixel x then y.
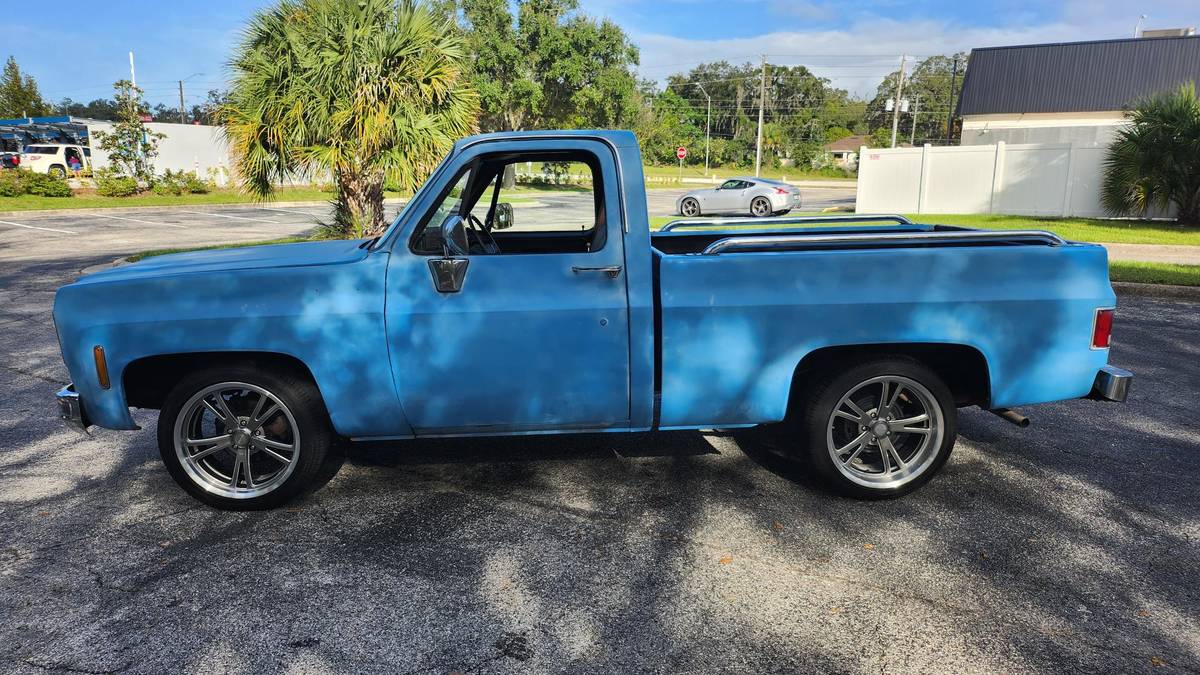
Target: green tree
{"type": "Point", "coordinates": [19, 95]}
{"type": "Point", "coordinates": [131, 147]}
{"type": "Point", "coordinates": [927, 88]}
{"type": "Point", "coordinates": [1154, 163]}
{"type": "Point", "coordinates": [369, 91]}
{"type": "Point", "coordinates": [548, 66]}
{"type": "Point", "coordinates": [665, 123]}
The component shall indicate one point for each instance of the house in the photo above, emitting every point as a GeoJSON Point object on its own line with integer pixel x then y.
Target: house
{"type": "Point", "coordinates": [1074, 92]}
{"type": "Point", "coordinates": [844, 151]}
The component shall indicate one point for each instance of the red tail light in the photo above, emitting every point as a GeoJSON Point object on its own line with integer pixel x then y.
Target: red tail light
{"type": "Point", "coordinates": [1102, 329]}
{"type": "Point", "coordinates": [16, 160]}
{"type": "Point", "coordinates": [780, 191]}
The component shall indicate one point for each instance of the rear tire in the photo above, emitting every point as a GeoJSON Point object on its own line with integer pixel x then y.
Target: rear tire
{"type": "Point", "coordinates": [760, 207]}
{"type": "Point", "coordinates": [862, 449]}
{"type": "Point", "coordinates": [57, 171]}
{"type": "Point", "coordinates": [274, 450]}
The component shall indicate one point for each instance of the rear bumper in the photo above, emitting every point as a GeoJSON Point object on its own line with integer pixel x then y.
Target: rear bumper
{"type": "Point", "coordinates": [70, 409]}
{"type": "Point", "coordinates": [1112, 384]}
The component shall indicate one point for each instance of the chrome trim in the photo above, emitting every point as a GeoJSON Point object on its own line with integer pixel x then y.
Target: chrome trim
{"type": "Point", "coordinates": [788, 220]}
{"type": "Point", "coordinates": [613, 271]}
{"type": "Point", "coordinates": [70, 409]}
{"type": "Point", "coordinates": [791, 241]}
{"type": "Point", "coordinates": [1112, 384]}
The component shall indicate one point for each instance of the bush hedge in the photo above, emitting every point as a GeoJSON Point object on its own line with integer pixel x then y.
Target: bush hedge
{"type": "Point", "coordinates": [17, 182]}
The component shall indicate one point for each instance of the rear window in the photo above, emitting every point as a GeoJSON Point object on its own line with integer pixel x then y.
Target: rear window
{"type": "Point", "coordinates": [41, 149]}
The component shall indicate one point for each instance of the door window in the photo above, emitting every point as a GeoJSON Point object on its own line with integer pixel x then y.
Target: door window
{"type": "Point", "coordinates": [522, 203]}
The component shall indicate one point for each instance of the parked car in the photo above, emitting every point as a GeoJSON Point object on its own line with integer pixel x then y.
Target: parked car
{"type": "Point", "coordinates": [758, 197]}
{"type": "Point", "coordinates": [858, 343]}
{"type": "Point", "coordinates": [10, 160]}
{"type": "Point", "coordinates": [56, 159]}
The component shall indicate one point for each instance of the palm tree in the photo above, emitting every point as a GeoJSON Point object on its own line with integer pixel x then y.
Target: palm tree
{"type": "Point", "coordinates": [370, 91]}
{"type": "Point", "coordinates": [1155, 161]}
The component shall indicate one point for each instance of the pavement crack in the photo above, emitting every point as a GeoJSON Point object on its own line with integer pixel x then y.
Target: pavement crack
{"type": "Point", "coordinates": [27, 373]}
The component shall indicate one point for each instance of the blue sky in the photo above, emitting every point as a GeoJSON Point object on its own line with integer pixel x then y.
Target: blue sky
{"type": "Point", "coordinates": [78, 53]}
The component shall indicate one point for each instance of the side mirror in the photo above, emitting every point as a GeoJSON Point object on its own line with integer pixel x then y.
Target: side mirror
{"type": "Point", "coordinates": [504, 216]}
{"type": "Point", "coordinates": [454, 236]}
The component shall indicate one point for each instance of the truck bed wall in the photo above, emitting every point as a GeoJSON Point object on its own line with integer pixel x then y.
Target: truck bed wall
{"type": "Point", "coordinates": [735, 326]}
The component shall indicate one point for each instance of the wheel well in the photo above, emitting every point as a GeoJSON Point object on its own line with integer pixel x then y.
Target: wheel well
{"type": "Point", "coordinates": [147, 381]}
{"type": "Point", "coordinates": [964, 369]}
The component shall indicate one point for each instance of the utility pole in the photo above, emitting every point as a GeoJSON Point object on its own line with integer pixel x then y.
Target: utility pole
{"type": "Point", "coordinates": [182, 114]}
{"type": "Point", "coordinates": [916, 111]}
{"type": "Point", "coordinates": [950, 115]}
{"type": "Point", "coordinates": [132, 73]}
{"type": "Point", "coordinates": [762, 99]}
{"type": "Point", "coordinates": [899, 93]}
{"type": "Point", "coordinates": [707, 127]}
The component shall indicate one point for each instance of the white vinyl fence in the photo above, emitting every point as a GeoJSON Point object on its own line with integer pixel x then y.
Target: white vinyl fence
{"type": "Point", "coordinates": [1035, 180]}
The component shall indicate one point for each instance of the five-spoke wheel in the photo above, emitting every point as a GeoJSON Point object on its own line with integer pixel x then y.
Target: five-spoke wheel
{"type": "Point", "coordinates": [760, 207]}
{"type": "Point", "coordinates": [689, 207]}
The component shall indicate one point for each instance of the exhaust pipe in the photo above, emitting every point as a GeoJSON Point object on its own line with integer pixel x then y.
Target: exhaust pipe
{"type": "Point", "coordinates": [1011, 416]}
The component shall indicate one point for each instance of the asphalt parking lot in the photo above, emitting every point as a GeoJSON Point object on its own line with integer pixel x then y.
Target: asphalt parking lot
{"type": "Point", "coordinates": [1068, 546]}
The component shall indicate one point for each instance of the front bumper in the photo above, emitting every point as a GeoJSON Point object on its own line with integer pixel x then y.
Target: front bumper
{"type": "Point", "coordinates": [1112, 384]}
{"type": "Point", "coordinates": [70, 409]}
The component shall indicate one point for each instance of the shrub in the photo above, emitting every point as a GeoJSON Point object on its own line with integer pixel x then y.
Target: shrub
{"type": "Point", "coordinates": [193, 184]}
{"type": "Point", "coordinates": [10, 184]}
{"type": "Point", "coordinates": [111, 184]}
{"type": "Point", "coordinates": [45, 185]}
{"type": "Point", "coordinates": [179, 182]}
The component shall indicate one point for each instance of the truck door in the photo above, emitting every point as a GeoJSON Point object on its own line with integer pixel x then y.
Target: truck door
{"type": "Point", "coordinates": [515, 317]}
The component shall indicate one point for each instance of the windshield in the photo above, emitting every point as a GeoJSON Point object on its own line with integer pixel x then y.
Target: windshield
{"type": "Point", "coordinates": [387, 235]}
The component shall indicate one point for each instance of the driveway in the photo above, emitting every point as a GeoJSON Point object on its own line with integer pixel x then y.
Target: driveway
{"type": "Point", "coordinates": [1067, 546]}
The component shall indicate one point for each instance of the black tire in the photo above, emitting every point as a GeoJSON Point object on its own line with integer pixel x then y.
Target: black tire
{"type": "Point", "coordinates": [58, 171]}
{"type": "Point", "coordinates": [757, 208]}
{"type": "Point", "coordinates": [783, 212]}
{"type": "Point", "coordinates": [317, 447]}
{"type": "Point", "coordinates": [812, 423]}
{"type": "Point", "coordinates": [683, 207]}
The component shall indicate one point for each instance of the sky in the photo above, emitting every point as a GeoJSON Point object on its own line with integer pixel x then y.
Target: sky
{"type": "Point", "coordinates": [79, 54]}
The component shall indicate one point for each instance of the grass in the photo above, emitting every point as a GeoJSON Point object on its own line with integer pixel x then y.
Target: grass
{"type": "Point", "coordinates": [88, 199]}
{"type": "Point", "coordinates": [1154, 273]}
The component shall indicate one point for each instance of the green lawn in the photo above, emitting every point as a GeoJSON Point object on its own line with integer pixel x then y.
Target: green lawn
{"type": "Point", "coordinates": [1154, 273]}
{"type": "Point", "coordinates": [91, 200]}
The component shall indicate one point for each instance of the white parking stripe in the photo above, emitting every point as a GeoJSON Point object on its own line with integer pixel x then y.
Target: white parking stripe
{"type": "Point", "coordinates": [296, 211]}
{"type": "Point", "coordinates": [34, 227]}
{"type": "Point", "coordinates": [222, 215]}
{"type": "Point", "coordinates": [136, 220]}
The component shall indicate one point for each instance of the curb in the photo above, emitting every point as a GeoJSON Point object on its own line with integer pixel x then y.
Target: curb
{"type": "Point", "coordinates": [1136, 290]}
{"type": "Point", "coordinates": [391, 201]}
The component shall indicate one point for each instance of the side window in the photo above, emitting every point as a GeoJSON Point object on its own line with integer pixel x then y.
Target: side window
{"type": "Point", "coordinates": [729, 185]}
{"type": "Point", "coordinates": [520, 204]}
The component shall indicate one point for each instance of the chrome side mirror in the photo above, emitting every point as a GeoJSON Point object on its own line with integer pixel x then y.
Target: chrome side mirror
{"type": "Point", "coordinates": [504, 216]}
{"type": "Point", "coordinates": [454, 236]}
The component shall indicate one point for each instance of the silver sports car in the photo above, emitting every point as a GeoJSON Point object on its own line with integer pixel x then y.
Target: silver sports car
{"type": "Point", "coordinates": [755, 196]}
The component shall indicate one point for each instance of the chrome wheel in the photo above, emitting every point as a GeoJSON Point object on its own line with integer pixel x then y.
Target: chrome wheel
{"type": "Point", "coordinates": [885, 432]}
{"type": "Point", "coordinates": [237, 440]}
{"type": "Point", "coordinates": [690, 208]}
{"type": "Point", "coordinates": [760, 207]}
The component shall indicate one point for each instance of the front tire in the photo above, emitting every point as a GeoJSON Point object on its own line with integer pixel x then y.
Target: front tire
{"type": "Point", "coordinates": [244, 438]}
{"type": "Point", "coordinates": [760, 207]}
{"type": "Point", "coordinates": [689, 208]}
{"type": "Point", "coordinates": [879, 429]}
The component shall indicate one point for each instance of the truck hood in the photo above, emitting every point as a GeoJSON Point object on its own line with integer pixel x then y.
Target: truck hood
{"type": "Point", "coordinates": [231, 259]}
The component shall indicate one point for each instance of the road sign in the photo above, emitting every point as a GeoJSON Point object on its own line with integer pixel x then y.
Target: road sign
{"type": "Point", "coordinates": [681, 152]}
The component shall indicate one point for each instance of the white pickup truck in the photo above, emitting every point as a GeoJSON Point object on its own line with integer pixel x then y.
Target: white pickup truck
{"type": "Point", "coordinates": [55, 158]}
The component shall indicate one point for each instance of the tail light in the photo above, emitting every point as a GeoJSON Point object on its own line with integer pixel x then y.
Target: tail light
{"type": "Point", "coordinates": [781, 191]}
{"type": "Point", "coordinates": [1102, 329]}
{"type": "Point", "coordinates": [16, 160]}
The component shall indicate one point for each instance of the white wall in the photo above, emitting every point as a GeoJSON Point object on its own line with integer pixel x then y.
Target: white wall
{"type": "Point", "coordinates": [187, 147]}
{"type": "Point", "coordinates": [1080, 128]}
{"type": "Point", "coordinates": [1052, 179]}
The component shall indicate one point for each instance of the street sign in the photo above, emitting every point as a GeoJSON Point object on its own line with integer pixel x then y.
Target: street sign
{"type": "Point", "coordinates": [681, 152]}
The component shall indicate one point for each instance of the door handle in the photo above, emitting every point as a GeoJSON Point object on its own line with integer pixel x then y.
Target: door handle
{"type": "Point", "coordinates": [613, 272]}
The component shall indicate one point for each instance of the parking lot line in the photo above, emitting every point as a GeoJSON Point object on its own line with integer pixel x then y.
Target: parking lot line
{"type": "Point", "coordinates": [222, 215]}
{"type": "Point", "coordinates": [34, 227]}
{"type": "Point", "coordinates": [136, 220]}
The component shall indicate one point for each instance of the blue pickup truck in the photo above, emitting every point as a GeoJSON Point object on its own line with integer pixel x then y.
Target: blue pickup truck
{"type": "Point", "coordinates": [470, 317]}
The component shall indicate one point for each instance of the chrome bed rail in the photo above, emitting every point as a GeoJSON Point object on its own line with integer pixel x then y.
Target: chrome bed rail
{"type": "Point", "coordinates": [788, 220]}
{"type": "Point", "coordinates": [793, 241]}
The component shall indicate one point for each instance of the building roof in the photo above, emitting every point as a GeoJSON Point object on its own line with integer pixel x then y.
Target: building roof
{"type": "Point", "coordinates": [1102, 75]}
{"type": "Point", "coordinates": [847, 144]}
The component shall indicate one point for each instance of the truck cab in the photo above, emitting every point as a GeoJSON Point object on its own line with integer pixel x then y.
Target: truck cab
{"type": "Point", "coordinates": [482, 312]}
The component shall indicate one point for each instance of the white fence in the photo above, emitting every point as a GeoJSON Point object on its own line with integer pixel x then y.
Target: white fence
{"type": "Point", "coordinates": [1035, 180]}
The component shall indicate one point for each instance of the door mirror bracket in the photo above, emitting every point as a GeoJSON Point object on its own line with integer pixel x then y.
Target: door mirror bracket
{"type": "Point", "coordinates": [448, 273]}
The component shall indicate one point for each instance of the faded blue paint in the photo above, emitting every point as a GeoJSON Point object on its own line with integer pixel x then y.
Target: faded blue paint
{"type": "Point", "coordinates": [530, 347]}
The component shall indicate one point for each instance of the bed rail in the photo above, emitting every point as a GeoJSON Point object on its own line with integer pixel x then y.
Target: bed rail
{"type": "Point", "coordinates": [783, 242]}
{"type": "Point", "coordinates": [788, 220]}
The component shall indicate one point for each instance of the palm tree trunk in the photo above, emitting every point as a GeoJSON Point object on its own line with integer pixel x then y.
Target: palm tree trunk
{"type": "Point", "coordinates": [359, 206]}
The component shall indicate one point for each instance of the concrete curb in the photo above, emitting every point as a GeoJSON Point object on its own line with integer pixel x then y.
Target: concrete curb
{"type": "Point", "coordinates": [1136, 290]}
{"type": "Point", "coordinates": [393, 201]}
